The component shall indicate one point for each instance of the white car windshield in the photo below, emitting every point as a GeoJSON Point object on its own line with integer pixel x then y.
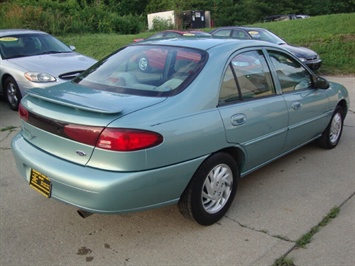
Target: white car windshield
{"type": "Point", "coordinates": [264, 35]}
{"type": "Point", "coordinates": [22, 45]}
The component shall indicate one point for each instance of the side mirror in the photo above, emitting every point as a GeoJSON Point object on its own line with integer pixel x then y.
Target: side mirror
{"type": "Point", "coordinates": [321, 83]}
{"type": "Point", "coordinates": [72, 47]}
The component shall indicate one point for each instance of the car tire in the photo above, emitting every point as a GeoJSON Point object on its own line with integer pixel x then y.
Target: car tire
{"type": "Point", "coordinates": [12, 93]}
{"type": "Point", "coordinates": [211, 190]}
{"type": "Point", "coordinates": [331, 135]}
{"type": "Point", "coordinates": [143, 64]}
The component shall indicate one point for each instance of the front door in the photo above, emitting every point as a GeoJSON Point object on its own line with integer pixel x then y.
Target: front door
{"type": "Point", "coordinates": [308, 107]}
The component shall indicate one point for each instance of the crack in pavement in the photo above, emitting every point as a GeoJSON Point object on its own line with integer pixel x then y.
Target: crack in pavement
{"type": "Point", "coordinates": [5, 134]}
{"type": "Point", "coordinates": [261, 231]}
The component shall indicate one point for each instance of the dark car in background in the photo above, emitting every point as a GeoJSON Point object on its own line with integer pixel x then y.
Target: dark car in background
{"type": "Point", "coordinates": [30, 58]}
{"type": "Point", "coordinates": [307, 56]}
{"type": "Point", "coordinates": [175, 33]}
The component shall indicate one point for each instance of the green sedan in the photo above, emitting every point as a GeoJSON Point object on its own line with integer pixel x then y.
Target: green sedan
{"type": "Point", "coordinates": [207, 113]}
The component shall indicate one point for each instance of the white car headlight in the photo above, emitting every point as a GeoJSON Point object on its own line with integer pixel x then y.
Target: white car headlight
{"type": "Point", "coordinates": [302, 59]}
{"type": "Point", "coordinates": [39, 77]}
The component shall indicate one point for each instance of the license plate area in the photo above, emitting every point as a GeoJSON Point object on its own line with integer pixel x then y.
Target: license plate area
{"type": "Point", "coordinates": [41, 183]}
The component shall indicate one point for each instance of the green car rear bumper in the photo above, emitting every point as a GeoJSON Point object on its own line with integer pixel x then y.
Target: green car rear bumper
{"type": "Point", "coordinates": [100, 191]}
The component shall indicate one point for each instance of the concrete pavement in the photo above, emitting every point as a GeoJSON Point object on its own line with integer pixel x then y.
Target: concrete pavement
{"type": "Point", "coordinates": [334, 244]}
{"type": "Point", "coordinates": [273, 208]}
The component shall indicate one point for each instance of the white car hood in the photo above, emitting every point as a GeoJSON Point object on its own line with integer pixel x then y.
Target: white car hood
{"type": "Point", "coordinates": [54, 64]}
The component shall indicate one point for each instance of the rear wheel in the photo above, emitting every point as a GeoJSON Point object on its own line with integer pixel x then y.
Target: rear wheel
{"type": "Point", "coordinates": [211, 190]}
{"type": "Point", "coordinates": [331, 135]}
{"type": "Point", "coordinates": [12, 93]}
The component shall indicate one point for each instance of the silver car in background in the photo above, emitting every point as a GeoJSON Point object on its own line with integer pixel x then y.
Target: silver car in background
{"type": "Point", "coordinates": [35, 59]}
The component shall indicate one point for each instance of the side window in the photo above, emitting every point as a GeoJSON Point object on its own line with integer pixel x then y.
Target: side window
{"type": "Point", "coordinates": [247, 77]}
{"type": "Point", "coordinates": [253, 75]}
{"type": "Point", "coordinates": [239, 34]}
{"type": "Point", "coordinates": [222, 33]}
{"type": "Point", "coordinates": [171, 34]}
{"type": "Point", "coordinates": [229, 91]}
{"type": "Point", "coordinates": [291, 74]}
{"type": "Point", "coordinates": [156, 36]}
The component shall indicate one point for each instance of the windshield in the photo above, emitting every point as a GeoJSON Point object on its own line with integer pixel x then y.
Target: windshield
{"type": "Point", "coordinates": [145, 70]}
{"type": "Point", "coordinates": [22, 45]}
{"type": "Point", "coordinates": [264, 35]}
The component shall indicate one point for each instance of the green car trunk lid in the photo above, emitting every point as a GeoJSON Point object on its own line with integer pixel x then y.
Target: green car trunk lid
{"type": "Point", "coordinates": [52, 108]}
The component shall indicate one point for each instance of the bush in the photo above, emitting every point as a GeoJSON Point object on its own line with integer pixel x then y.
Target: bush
{"type": "Point", "coordinates": [160, 24]}
{"type": "Point", "coordinates": [60, 18]}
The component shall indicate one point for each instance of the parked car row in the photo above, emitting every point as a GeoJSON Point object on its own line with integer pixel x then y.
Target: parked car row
{"type": "Point", "coordinates": [307, 56]}
{"type": "Point", "coordinates": [36, 59]}
{"type": "Point", "coordinates": [118, 139]}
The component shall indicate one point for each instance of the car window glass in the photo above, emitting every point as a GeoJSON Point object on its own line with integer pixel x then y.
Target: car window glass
{"type": "Point", "coordinates": [239, 34]}
{"type": "Point", "coordinates": [156, 36]}
{"type": "Point", "coordinates": [229, 91]}
{"type": "Point", "coordinates": [222, 33]}
{"type": "Point", "coordinates": [22, 45]}
{"type": "Point", "coordinates": [253, 75]}
{"type": "Point", "coordinates": [172, 34]}
{"type": "Point", "coordinates": [291, 74]}
{"type": "Point", "coordinates": [148, 70]}
{"type": "Point", "coordinates": [247, 77]}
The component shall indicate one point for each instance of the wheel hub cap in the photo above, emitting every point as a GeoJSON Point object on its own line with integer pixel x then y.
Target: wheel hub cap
{"type": "Point", "coordinates": [335, 128]}
{"type": "Point", "coordinates": [217, 188]}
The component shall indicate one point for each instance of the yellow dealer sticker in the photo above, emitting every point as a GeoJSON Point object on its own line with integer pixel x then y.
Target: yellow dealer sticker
{"type": "Point", "coordinates": [253, 33]}
{"type": "Point", "coordinates": [8, 39]}
{"type": "Point", "coordinates": [41, 183]}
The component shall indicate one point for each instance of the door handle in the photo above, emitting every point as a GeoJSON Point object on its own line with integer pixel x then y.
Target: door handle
{"type": "Point", "coordinates": [238, 119]}
{"type": "Point", "coordinates": [296, 105]}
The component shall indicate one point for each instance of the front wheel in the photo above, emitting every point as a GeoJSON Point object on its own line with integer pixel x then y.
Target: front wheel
{"type": "Point", "coordinates": [12, 93]}
{"type": "Point", "coordinates": [331, 135]}
{"type": "Point", "coordinates": [211, 190]}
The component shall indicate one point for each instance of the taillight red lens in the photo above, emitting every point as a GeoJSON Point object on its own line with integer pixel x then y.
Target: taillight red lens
{"type": "Point", "coordinates": [84, 134]}
{"type": "Point", "coordinates": [23, 112]}
{"type": "Point", "coordinates": [118, 139]}
{"type": "Point", "coordinates": [114, 139]}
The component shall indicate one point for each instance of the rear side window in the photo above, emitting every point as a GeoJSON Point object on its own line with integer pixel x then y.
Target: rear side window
{"type": "Point", "coordinates": [145, 70]}
{"type": "Point", "coordinates": [239, 34]}
{"type": "Point", "coordinates": [247, 77]}
{"type": "Point", "coordinates": [223, 33]}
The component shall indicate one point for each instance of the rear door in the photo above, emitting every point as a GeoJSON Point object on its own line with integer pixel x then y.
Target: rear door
{"type": "Point", "coordinates": [254, 115]}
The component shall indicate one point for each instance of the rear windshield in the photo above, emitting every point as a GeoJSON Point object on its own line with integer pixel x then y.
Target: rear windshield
{"type": "Point", "coordinates": [145, 70]}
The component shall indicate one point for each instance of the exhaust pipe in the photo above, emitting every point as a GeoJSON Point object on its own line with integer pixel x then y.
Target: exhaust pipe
{"type": "Point", "coordinates": [84, 214]}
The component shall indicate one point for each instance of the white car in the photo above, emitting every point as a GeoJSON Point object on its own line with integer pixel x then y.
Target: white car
{"type": "Point", "coordinates": [30, 58]}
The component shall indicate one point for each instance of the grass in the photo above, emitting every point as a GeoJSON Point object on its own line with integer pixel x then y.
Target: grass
{"type": "Point", "coordinates": [9, 128]}
{"type": "Point", "coordinates": [283, 261]}
{"type": "Point", "coordinates": [331, 36]}
{"type": "Point", "coordinates": [306, 238]}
